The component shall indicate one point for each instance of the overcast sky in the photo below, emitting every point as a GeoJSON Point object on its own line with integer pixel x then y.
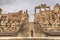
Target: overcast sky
{"type": "Point", "coordinates": [16, 5]}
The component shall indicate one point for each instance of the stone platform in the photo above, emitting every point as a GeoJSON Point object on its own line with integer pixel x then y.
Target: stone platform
{"type": "Point", "coordinates": [29, 38]}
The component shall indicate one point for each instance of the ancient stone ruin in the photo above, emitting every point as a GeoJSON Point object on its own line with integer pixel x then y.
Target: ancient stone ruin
{"type": "Point", "coordinates": [11, 23]}
{"type": "Point", "coordinates": [49, 20]}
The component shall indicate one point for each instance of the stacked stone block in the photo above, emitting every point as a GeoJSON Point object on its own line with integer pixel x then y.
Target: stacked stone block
{"type": "Point", "coordinates": [49, 20]}
{"type": "Point", "coordinates": [12, 22]}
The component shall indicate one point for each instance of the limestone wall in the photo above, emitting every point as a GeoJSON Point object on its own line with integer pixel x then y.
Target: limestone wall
{"type": "Point", "coordinates": [11, 22]}
{"type": "Point", "coordinates": [49, 19]}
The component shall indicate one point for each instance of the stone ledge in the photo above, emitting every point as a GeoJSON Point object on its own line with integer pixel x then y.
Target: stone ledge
{"type": "Point", "coordinates": [14, 38]}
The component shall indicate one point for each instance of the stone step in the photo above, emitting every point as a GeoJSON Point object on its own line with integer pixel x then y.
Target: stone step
{"type": "Point", "coordinates": [29, 38]}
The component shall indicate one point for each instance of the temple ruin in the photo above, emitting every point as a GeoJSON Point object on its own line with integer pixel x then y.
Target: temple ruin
{"type": "Point", "coordinates": [49, 20]}
{"type": "Point", "coordinates": [46, 22]}
{"type": "Point", "coordinates": [10, 24]}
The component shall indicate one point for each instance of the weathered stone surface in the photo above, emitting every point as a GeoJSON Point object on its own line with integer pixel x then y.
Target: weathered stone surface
{"type": "Point", "coordinates": [12, 22]}
{"type": "Point", "coordinates": [49, 20]}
